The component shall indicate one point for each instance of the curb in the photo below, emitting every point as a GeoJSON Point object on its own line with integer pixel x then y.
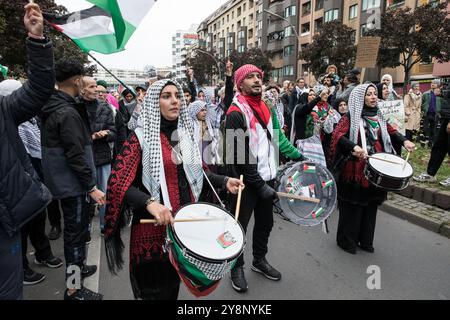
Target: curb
{"type": "Point", "coordinates": [423, 221]}
{"type": "Point", "coordinates": [428, 194]}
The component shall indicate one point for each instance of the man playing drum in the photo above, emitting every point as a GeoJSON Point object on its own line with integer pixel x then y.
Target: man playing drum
{"type": "Point", "coordinates": [251, 127]}
{"type": "Point", "coordinates": [158, 171]}
{"type": "Point", "coordinates": [358, 198]}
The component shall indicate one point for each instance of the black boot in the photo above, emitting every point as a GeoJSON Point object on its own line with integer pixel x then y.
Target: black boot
{"type": "Point", "coordinates": [238, 280]}
{"type": "Point", "coordinates": [263, 267]}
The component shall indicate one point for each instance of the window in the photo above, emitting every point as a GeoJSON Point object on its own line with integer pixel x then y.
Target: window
{"type": "Point", "coordinates": [353, 36]}
{"type": "Point", "coordinates": [288, 70]}
{"type": "Point", "coordinates": [243, 21]}
{"type": "Point", "coordinates": [290, 11]}
{"type": "Point", "coordinates": [288, 31]}
{"type": "Point", "coordinates": [230, 39]}
{"type": "Point", "coordinates": [228, 18]}
{"type": "Point", "coordinates": [353, 12]}
{"type": "Point", "coordinates": [331, 15]}
{"type": "Point", "coordinates": [239, 12]}
{"type": "Point", "coordinates": [244, 7]}
{"type": "Point", "coordinates": [306, 8]}
{"type": "Point", "coordinates": [289, 50]}
{"type": "Point", "coordinates": [251, 3]}
{"type": "Point", "coordinates": [370, 4]}
{"type": "Point", "coordinates": [319, 5]}
{"type": "Point", "coordinates": [241, 48]}
{"type": "Point", "coordinates": [241, 35]}
{"type": "Point", "coordinates": [306, 27]}
{"type": "Point", "coordinates": [232, 15]}
{"type": "Point", "coordinates": [260, 8]}
{"type": "Point", "coordinates": [363, 30]}
{"type": "Point", "coordinates": [394, 3]}
{"type": "Point", "coordinates": [260, 25]}
{"type": "Point", "coordinates": [318, 23]}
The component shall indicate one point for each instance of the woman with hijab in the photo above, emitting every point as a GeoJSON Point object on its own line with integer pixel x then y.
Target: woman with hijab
{"type": "Point", "coordinates": [413, 110]}
{"type": "Point", "coordinates": [383, 95]}
{"type": "Point", "coordinates": [387, 79]}
{"type": "Point", "coordinates": [158, 171]}
{"type": "Point", "coordinates": [358, 198]}
{"type": "Point", "coordinates": [205, 136]}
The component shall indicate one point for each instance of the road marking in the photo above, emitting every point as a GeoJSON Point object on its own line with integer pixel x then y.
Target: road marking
{"type": "Point", "coordinates": [93, 256]}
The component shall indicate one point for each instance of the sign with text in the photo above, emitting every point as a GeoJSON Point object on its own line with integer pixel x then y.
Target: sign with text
{"type": "Point", "coordinates": [367, 54]}
{"type": "Point", "coordinates": [394, 113]}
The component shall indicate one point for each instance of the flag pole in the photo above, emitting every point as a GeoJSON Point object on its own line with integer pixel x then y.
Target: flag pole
{"type": "Point", "coordinates": [90, 55]}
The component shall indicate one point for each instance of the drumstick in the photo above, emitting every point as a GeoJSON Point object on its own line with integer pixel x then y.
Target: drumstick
{"type": "Point", "coordinates": [238, 205]}
{"type": "Point", "coordinates": [296, 197]}
{"type": "Point", "coordinates": [406, 161]}
{"type": "Point", "coordinates": [148, 221]}
{"type": "Point", "coordinates": [385, 160]}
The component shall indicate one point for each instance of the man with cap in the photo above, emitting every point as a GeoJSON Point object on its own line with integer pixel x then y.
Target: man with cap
{"type": "Point", "coordinates": [357, 73]}
{"type": "Point", "coordinates": [249, 131]}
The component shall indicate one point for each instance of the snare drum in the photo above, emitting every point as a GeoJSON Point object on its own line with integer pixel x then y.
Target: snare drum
{"type": "Point", "coordinates": [311, 180]}
{"type": "Point", "coordinates": [388, 176]}
{"type": "Point", "coordinates": [204, 252]}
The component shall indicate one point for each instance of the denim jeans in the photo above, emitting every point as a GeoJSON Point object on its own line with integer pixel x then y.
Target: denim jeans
{"type": "Point", "coordinates": [103, 173]}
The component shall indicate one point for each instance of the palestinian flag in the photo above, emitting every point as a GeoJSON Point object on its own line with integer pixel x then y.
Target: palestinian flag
{"type": "Point", "coordinates": [4, 70]}
{"type": "Point", "coordinates": [309, 168]}
{"type": "Point", "coordinates": [104, 28]}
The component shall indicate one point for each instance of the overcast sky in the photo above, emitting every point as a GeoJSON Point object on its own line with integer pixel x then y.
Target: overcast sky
{"type": "Point", "coordinates": [151, 44]}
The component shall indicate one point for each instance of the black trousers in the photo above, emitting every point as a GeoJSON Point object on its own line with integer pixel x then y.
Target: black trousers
{"type": "Point", "coordinates": [76, 223]}
{"type": "Point", "coordinates": [356, 224]}
{"type": "Point", "coordinates": [54, 214]}
{"type": "Point", "coordinates": [35, 229]}
{"type": "Point", "coordinates": [250, 203]}
{"type": "Point", "coordinates": [11, 274]}
{"type": "Point", "coordinates": [430, 124]}
{"type": "Point", "coordinates": [441, 148]}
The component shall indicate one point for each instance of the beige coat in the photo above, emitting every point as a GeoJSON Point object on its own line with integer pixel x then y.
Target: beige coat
{"type": "Point", "coordinates": [413, 109]}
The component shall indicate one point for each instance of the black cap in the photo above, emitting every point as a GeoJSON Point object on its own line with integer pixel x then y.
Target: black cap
{"type": "Point", "coordinates": [355, 71]}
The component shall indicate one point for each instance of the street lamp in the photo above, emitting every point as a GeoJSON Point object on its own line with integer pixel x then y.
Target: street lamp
{"type": "Point", "coordinates": [292, 27]}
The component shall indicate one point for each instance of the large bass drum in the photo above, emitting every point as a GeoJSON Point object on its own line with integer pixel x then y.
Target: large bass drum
{"type": "Point", "coordinates": [311, 180]}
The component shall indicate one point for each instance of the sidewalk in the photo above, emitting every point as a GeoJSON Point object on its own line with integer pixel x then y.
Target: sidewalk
{"type": "Point", "coordinates": [422, 205]}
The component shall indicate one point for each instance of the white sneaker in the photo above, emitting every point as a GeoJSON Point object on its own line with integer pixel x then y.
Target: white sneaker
{"type": "Point", "coordinates": [425, 177]}
{"type": "Point", "coordinates": [445, 183]}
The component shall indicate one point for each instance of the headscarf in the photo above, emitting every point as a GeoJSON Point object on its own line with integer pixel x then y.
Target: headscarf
{"type": "Point", "coordinates": [356, 105]}
{"type": "Point", "coordinates": [9, 86]}
{"type": "Point", "coordinates": [194, 109]}
{"type": "Point", "coordinates": [392, 94]}
{"type": "Point", "coordinates": [112, 101]}
{"type": "Point", "coordinates": [149, 138]}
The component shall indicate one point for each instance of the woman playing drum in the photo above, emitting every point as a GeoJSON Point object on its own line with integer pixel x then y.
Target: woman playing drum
{"type": "Point", "coordinates": [358, 198]}
{"type": "Point", "coordinates": [158, 170]}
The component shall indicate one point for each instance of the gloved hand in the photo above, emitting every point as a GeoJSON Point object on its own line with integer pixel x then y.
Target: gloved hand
{"type": "Point", "coordinates": [266, 192]}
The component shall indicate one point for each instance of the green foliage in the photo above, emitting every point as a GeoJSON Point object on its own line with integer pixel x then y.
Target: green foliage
{"type": "Point", "coordinates": [253, 56]}
{"type": "Point", "coordinates": [334, 44]}
{"type": "Point", "coordinates": [13, 34]}
{"type": "Point", "coordinates": [412, 36]}
{"type": "Point", "coordinates": [204, 66]}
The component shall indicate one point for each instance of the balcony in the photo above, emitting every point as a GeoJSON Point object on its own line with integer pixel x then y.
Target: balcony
{"type": "Point", "coordinates": [275, 26]}
{"type": "Point", "coordinates": [275, 46]}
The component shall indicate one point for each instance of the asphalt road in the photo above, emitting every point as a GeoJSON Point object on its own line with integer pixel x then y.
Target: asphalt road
{"type": "Point", "coordinates": [414, 263]}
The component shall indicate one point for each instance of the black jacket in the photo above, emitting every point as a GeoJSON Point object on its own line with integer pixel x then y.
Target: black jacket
{"type": "Point", "coordinates": [22, 195]}
{"type": "Point", "coordinates": [101, 118]}
{"type": "Point", "coordinates": [67, 157]}
{"type": "Point", "coordinates": [301, 115]}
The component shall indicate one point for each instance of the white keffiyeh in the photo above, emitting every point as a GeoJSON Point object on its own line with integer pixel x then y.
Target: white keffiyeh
{"type": "Point", "coordinates": [356, 105]}
{"type": "Point", "coordinates": [149, 137]}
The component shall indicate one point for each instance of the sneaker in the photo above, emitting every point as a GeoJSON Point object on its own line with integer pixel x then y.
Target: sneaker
{"type": "Point", "coordinates": [83, 294]}
{"type": "Point", "coordinates": [445, 183]}
{"type": "Point", "coordinates": [30, 277]}
{"type": "Point", "coordinates": [238, 280]}
{"type": "Point", "coordinates": [263, 267]}
{"type": "Point", "coordinates": [51, 262]}
{"type": "Point", "coordinates": [425, 177]}
{"type": "Point", "coordinates": [88, 271]}
{"type": "Point", "coordinates": [55, 233]}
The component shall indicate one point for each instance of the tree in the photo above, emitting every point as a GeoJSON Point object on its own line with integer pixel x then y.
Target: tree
{"type": "Point", "coordinates": [203, 64]}
{"type": "Point", "coordinates": [13, 33]}
{"type": "Point", "coordinates": [253, 56]}
{"type": "Point", "coordinates": [334, 44]}
{"type": "Point", "coordinates": [409, 37]}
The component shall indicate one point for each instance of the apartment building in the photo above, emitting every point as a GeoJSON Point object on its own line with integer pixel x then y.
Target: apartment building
{"type": "Point", "coordinates": [181, 42]}
{"type": "Point", "coordinates": [231, 27]}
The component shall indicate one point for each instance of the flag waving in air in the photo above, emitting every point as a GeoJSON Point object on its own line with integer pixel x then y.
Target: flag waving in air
{"type": "Point", "coordinates": [104, 28]}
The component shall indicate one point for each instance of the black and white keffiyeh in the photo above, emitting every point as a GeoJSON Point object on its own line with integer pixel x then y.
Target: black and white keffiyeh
{"type": "Point", "coordinates": [149, 138]}
{"type": "Point", "coordinates": [356, 105]}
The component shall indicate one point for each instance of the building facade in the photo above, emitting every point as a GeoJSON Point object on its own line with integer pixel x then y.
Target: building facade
{"type": "Point", "coordinates": [130, 77]}
{"type": "Point", "coordinates": [181, 42]}
{"type": "Point", "coordinates": [282, 28]}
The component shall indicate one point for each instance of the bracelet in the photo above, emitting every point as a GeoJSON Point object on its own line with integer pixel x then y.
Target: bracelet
{"type": "Point", "coordinates": [149, 202]}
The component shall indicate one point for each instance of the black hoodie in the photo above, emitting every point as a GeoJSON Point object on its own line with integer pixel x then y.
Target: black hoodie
{"type": "Point", "coordinates": [67, 157]}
